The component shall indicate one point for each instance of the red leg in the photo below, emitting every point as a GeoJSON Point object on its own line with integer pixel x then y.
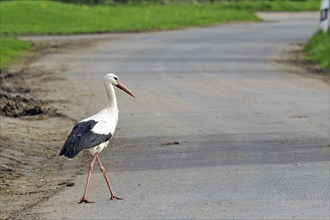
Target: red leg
{"type": "Point", "coordinates": [113, 196]}
{"type": "Point", "coordinates": [83, 199]}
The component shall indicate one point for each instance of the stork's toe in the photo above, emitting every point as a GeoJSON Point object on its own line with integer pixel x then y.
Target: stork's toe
{"type": "Point", "coordinates": [113, 197]}
{"type": "Point", "coordinates": [83, 199]}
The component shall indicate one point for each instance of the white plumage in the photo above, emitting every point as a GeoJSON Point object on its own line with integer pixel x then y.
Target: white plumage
{"type": "Point", "coordinates": [107, 121]}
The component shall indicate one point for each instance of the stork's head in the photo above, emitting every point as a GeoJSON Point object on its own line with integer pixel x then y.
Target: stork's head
{"type": "Point", "coordinates": [114, 80]}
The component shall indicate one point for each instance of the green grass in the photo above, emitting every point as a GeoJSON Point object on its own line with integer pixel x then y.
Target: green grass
{"type": "Point", "coordinates": [47, 17]}
{"type": "Point", "coordinates": [318, 49]}
{"type": "Point", "coordinates": [11, 49]}
{"type": "Point", "coordinates": [273, 5]}
{"type": "Point", "coordinates": [60, 18]}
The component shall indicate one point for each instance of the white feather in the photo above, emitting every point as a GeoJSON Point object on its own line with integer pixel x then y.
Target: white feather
{"type": "Point", "coordinates": [98, 148]}
{"type": "Point", "coordinates": [106, 119]}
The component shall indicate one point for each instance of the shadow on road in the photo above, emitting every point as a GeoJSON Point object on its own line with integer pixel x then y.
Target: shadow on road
{"type": "Point", "coordinates": [158, 153]}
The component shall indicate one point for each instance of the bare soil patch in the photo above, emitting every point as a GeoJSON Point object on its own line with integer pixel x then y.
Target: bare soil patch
{"type": "Point", "coordinates": [296, 62]}
{"type": "Point", "coordinates": [17, 101]}
{"type": "Point", "coordinates": [31, 136]}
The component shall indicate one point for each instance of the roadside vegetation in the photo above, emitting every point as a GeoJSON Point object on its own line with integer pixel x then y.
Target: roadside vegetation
{"type": "Point", "coordinates": [42, 17]}
{"type": "Point", "coordinates": [98, 16]}
{"type": "Point", "coordinates": [318, 49]}
{"type": "Point", "coordinates": [12, 49]}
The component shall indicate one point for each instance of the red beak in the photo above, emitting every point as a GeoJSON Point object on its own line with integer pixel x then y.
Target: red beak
{"type": "Point", "coordinates": [124, 88]}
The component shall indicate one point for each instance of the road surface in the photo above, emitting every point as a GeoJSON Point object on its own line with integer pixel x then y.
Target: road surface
{"type": "Point", "coordinates": [218, 129]}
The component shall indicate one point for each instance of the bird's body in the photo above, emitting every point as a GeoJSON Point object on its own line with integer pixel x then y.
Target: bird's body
{"type": "Point", "coordinates": [107, 121]}
{"type": "Point", "coordinates": [92, 133]}
{"type": "Point", "coordinates": [95, 132]}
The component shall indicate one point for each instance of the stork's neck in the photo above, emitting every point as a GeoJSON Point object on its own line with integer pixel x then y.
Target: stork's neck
{"type": "Point", "coordinates": [112, 100]}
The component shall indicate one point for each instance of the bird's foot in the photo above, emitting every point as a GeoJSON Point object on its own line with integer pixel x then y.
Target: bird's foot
{"type": "Point", "coordinates": [83, 199]}
{"type": "Point", "coordinates": [113, 197]}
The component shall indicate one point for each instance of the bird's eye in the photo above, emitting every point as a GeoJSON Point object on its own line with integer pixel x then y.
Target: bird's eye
{"type": "Point", "coordinates": [115, 78]}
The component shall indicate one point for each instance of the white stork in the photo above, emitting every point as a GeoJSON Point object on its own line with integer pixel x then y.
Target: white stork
{"type": "Point", "coordinates": [94, 133]}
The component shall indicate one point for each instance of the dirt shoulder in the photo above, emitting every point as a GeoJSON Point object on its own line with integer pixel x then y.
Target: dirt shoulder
{"type": "Point", "coordinates": [32, 127]}
{"type": "Point", "coordinates": [294, 60]}
{"type": "Point", "coordinates": [32, 133]}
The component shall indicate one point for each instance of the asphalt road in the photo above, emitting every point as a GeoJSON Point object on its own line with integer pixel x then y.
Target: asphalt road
{"type": "Point", "coordinates": [252, 134]}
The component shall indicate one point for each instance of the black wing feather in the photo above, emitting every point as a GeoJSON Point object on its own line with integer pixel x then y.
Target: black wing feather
{"type": "Point", "coordinates": [81, 137]}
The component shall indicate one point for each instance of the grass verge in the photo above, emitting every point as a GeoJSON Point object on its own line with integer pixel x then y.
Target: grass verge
{"type": "Point", "coordinates": [12, 49]}
{"type": "Point", "coordinates": [272, 5]}
{"type": "Point", "coordinates": [42, 17]}
{"type": "Point", "coordinates": [317, 49]}
{"type": "Point", "coordinates": [49, 17]}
